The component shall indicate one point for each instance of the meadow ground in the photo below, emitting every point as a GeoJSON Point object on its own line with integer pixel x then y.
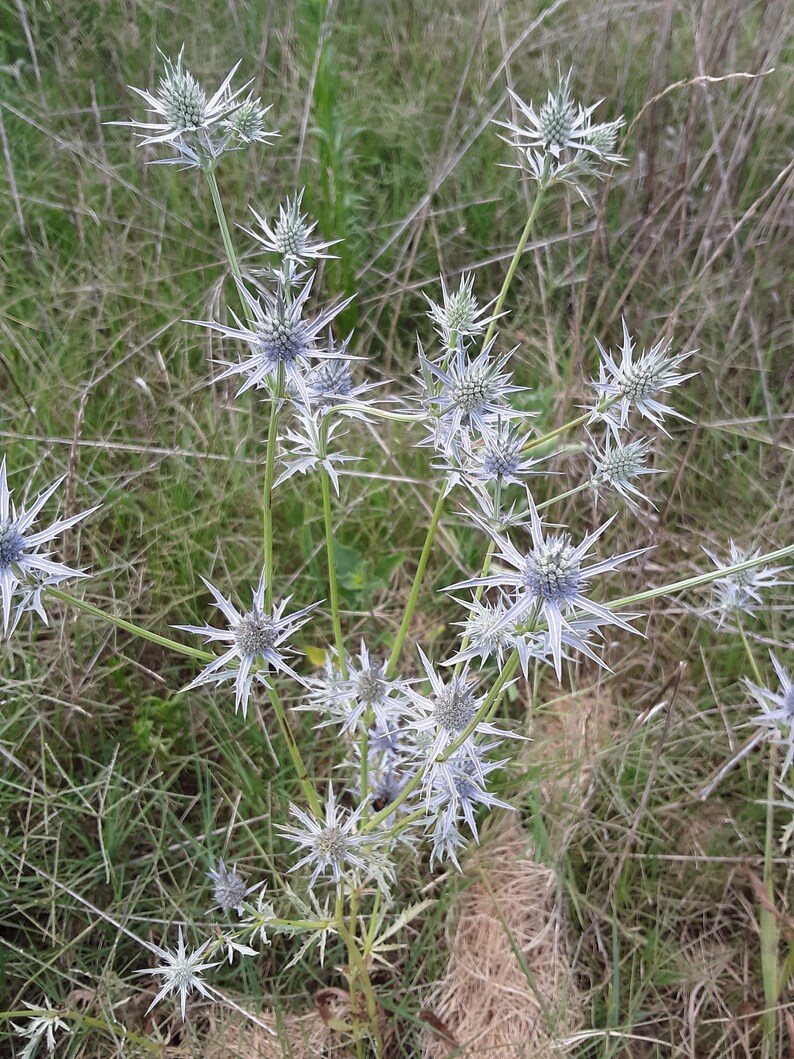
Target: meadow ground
{"type": "Point", "coordinates": [115, 788]}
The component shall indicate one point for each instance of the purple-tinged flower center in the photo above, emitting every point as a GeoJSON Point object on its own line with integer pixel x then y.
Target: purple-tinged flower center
{"type": "Point", "coordinates": [454, 707]}
{"type": "Point", "coordinates": [12, 544]}
{"type": "Point", "coordinates": [255, 633]}
{"type": "Point", "coordinates": [552, 572]}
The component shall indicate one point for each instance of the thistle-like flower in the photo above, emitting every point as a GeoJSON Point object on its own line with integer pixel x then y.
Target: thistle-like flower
{"type": "Point", "coordinates": [229, 889]}
{"type": "Point", "coordinates": [617, 465]}
{"type": "Point", "coordinates": [460, 315]}
{"type": "Point", "coordinates": [40, 1027]}
{"type": "Point", "coordinates": [559, 142]}
{"type": "Point", "coordinates": [181, 973]}
{"type": "Point", "coordinates": [278, 339]}
{"type": "Point", "coordinates": [499, 458]}
{"type": "Point", "coordinates": [331, 384]}
{"type": "Point", "coordinates": [637, 383]}
{"type": "Point", "coordinates": [21, 560]}
{"type": "Point", "coordinates": [777, 712]}
{"type": "Point", "coordinates": [310, 450]}
{"type": "Point", "coordinates": [468, 396]}
{"type": "Point", "coordinates": [253, 635]}
{"type": "Point", "coordinates": [742, 590]}
{"type": "Point", "coordinates": [444, 715]}
{"type": "Point", "coordinates": [246, 124]}
{"type": "Point", "coordinates": [458, 792]}
{"type": "Point", "coordinates": [549, 580]}
{"type": "Point", "coordinates": [186, 118]}
{"type": "Point", "coordinates": [290, 236]}
{"type": "Point", "coordinates": [335, 846]}
{"type": "Point", "coordinates": [485, 632]}
{"type": "Point", "coordinates": [365, 695]}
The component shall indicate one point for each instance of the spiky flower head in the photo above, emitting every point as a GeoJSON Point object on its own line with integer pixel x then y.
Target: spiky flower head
{"type": "Point", "coordinates": [290, 235]}
{"type": "Point", "coordinates": [468, 396]}
{"type": "Point", "coordinates": [460, 315]}
{"type": "Point", "coordinates": [549, 580]}
{"type": "Point", "coordinates": [247, 123]}
{"type": "Point", "coordinates": [618, 465]}
{"type": "Point", "coordinates": [40, 1027]}
{"type": "Point", "coordinates": [460, 790]}
{"type": "Point", "coordinates": [637, 383]}
{"type": "Point", "coordinates": [445, 713]}
{"type": "Point", "coordinates": [180, 972]}
{"type": "Point", "coordinates": [335, 846]}
{"type": "Point", "coordinates": [309, 449]}
{"type": "Point", "coordinates": [22, 561]}
{"type": "Point", "coordinates": [485, 633]}
{"type": "Point", "coordinates": [199, 127]}
{"type": "Point", "coordinates": [777, 712]}
{"type": "Point", "coordinates": [559, 142]}
{"type": "Point", "coordinates": [279, 337]}
{"type": "Point", "coordinates": [741, 590]}
{"type": "Point", "coordinates": [255, 642]}
{"type": "Point", "coordinates": [229, 889]}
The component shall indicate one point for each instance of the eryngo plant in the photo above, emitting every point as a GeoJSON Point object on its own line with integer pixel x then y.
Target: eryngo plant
{"type": "Point", "coordinates": [419, 751]}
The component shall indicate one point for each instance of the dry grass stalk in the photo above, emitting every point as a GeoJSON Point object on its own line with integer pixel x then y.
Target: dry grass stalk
{"type": "Point", "coordinates": [509, 990]}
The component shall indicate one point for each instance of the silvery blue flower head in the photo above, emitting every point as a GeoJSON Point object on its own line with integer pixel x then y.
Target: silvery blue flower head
{"type": "Point", "coordinates": [40, 1028]}
{"type": "Point", "coordinates": [460, 315]}
{"type": "Point", "coordinates": [181, 973]}
{"type": "Point", "coordinates": [549, 580]}
{"type": "Point", "coordinates": [499, 458]}
{"type": "Point", "coordinates": [469, 394]}
{"type": "Point", "coordinates": [459, 791]}
{"type": "Point", "coordinates": [335, 846]}
{"type": "Point", "coordinates": [186, 118]}
{"type": "Point", "coordinates": [485, 632]}
{"type": "Point", "coordinates": [279, 338]}
{"type": "Point", "coordinates": [309, 449]}
{"type": "Point", "coordinates": [777, 711]}
{"type": "Point", "coordinates": [229, 888]}
{"type": "Point", "coordinates": [246, 125]}
{"type": "Point", "coordinates": [252, 637]}
{"type": "Point", "coordinates": [741, 591]}
{"type": "Point", "coordinates": [637, 383]}
{"type": "Point", "coordinates": [290, 236]}
{"type": "Point", "coordinates": [22, 562]}
{"type": "Point", "coordinates": [618, 465]}
{"type": "Point", "coordinates": [445, 713]}
{"type": "Point", "coordinates": [559, 142]}
{"type": "Point", "coordinates": [330, 384]}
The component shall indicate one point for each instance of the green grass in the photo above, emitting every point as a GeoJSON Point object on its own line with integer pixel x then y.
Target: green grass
{"type": "Point", "coordinates": [116, 788]}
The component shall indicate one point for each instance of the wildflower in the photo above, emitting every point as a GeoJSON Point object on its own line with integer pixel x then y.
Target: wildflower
{"type": "Point", "coordinates": [21, 561]}
{"type": "Point", "coordinates": [181, 973]}
{"type": "Point", "coordinates": [472, 395]}
{"type": "Point", "coordinates": [331, 384]}
{"type": "Point", "coordinates": [618, 465]}
{"type": "Point", "coordinates": [499, 458]}
{"type": "Point", "coordinates": [246, 123]}
{"type": "Point", "coordinates": [777, 711]}
{"type": "Point", "coordinates": [278, 338]}
{"type": "Point", "coordinates": [459, 791]}
{"type": "Point", "coordinates": [233, 946]}
{"type": "Point", "coordinates": [460, 316]}
{"type": "Point", "coordinates": [485, 632]}
{"type": "Point", "coordinates": [334, 844]}
{"type": "Point", "coordinates": [229, 889]}
{"type": "Point", "coordinates": [446, 713]}
{"type": "Point", "coordinates": [637, 383]}
{"type": "Point", "coordinates": [367, 693]}
{"type": "Point", "coordinates": [40, 1027]}
{"type": "Point", "coordinates": [741, 590]}
{"type": "Point", "coordinates": [549, 580]}
{"type": "Point", "coordinates": [310, 450]}
{"type": "Point", "coordinates": [251, 636]}
{"type": "Point", "coordinates": [559, 142]}
{"type": "Point", "coordinates": [290, 236]}
{"type": "Point", "coordinates": [187, 117]}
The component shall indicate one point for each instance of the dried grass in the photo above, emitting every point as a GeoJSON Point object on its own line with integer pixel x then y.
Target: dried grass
{"type": "Point", "coordinates": [509, 990]}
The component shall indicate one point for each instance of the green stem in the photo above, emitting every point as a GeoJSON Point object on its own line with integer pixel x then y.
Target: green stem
{"type": "Point", "coordinates": [295, 754]}
{"type": "Point", "coordinates": [131, 627]}
{"type": "Point", "coordinates": [563, 496]}
{"type": "Point", "coordinates": [226, 236]}
{"type": "Point", "coordinates": [267, 491]}
{"type": "Point", "coordinates": [417, 584]}
{"type": "Point", "coordinates": [511, 271]}
{"type": "Point", "coordinates": [333, 588]}
{"type": "Point", "coordinates": [767, 921]}
{"type": "Point", "coordinates": [749, 652]}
